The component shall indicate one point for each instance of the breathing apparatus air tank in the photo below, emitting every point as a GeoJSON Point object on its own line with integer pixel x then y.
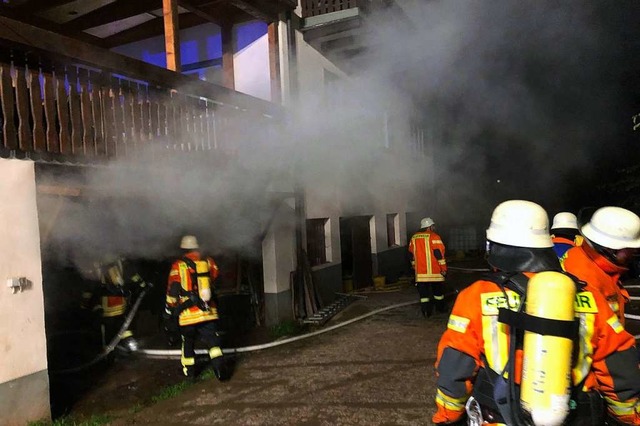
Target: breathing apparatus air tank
{"type": "Point", "coordinates": [546, 370]}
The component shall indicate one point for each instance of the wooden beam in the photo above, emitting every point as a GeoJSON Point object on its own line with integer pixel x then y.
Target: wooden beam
{"type": "Point", "coordinates": [149, 29]}
{"type": "Point", "coordinates": [171, 34]}
{"type": "Point", "coordinates": [31, 19]}
{"type": "Point", "coordinates": [121, 9]}
{"type": "Point", "coordinates": [228, 77]}
{"type": "Point", "coordinates": [255, 11]}
{"type": "Point", "coordinates": [199, 12]}
{"type": "Point", "coordinates": [47, 45]}
{"type": "Point", "coordinates": [274, 61]}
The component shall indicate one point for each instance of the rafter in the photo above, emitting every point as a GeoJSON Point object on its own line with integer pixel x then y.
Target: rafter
{"type": "Point", "coordinates": [29, 18]}
{"type": "Point", "coordinates": [121, 9]}
{"type": "Point", "coordinates": [149, 29]}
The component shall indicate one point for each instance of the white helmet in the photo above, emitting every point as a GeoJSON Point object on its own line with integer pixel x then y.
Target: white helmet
{"type": "Point", "coordinates": [565, 220]}
{"type": "Point", "coordinates": [426, 222]}
{"type": "Point", "coordinates": [520, 223]}
{"type": "Point", "coordinates": [613, 227]}
{"type": "Point", "coordinates": [189, 242]}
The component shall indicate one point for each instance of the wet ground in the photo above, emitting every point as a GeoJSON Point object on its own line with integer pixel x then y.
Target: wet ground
{"type": "Point", "coordinates": [375, 371]}
{"type": "Point", "coordinates": [378, 370]}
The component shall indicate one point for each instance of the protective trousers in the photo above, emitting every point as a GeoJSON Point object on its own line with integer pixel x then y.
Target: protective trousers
{"type": "Point", "coordinates": [208, 333]}
{"type": "Point", "coordinates": [431, 293]}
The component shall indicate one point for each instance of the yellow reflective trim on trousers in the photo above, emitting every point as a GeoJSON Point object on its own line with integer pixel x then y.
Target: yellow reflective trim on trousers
{"type": "Point", "coordinates": [215, 352]}
{"type": "Point", "coordinates": [455, 404]}
{"type": "Point", "coordinates": [127, 333]}
{"type": "Point", "coordinates": [424, 299]}
{"type": "Point", "coordinates": [186, 360]}
{"type": "Point", "coordinates": [439, 297]}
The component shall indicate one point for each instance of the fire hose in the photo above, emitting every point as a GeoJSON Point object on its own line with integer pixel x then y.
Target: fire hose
{"type": "Point", "coordinates": [114, 342]}
{"type": "Point", "coordinates": [176, 353]}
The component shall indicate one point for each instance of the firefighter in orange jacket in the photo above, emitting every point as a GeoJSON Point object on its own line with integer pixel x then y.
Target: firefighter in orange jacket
{"type": "Point", "coordinates": [191, 301]}
{"type": "Point", "coordinates": [479, 360]}
{"type": "Point", "coordinates": [565, 233]}
{"type": "Point", "coordinates": [430, 266]}
{"type": "Point", "coordinates": [611, 239]}
{"type": "Point", "coordinates": [114, 280]}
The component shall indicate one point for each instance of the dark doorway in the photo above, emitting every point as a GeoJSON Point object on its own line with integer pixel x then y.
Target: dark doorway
{"type": "Point", "coordinates": [355, 248]}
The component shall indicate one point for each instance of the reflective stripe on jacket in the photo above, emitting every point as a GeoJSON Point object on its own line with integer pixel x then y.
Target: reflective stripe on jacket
{"type": "Point", "coordinates": [428, 267]}
{"type": "Point", "coordinates": [599, 273]}
{"type": "Point", "coordinates": [607, 358]}
{"type": "Point", "coordinates": [180, 276]}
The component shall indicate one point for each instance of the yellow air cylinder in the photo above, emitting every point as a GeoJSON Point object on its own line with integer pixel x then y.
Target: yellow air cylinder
{"type": "Point", "coordinates": [546, 369]}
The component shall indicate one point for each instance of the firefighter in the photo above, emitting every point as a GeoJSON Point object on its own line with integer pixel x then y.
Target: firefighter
{"type": "Point", "coordinates": [479, 356]}
{"type": "Point", "coordinates": [565, 233]}
{"type": "Point", "coordinates": [430, 266]}
{"type": "Point", "coordinates": [113, 283]}
{"type": "Point", "coordinates": [611, 239]}
{"type": "Point", "coordinates": [192, 303]}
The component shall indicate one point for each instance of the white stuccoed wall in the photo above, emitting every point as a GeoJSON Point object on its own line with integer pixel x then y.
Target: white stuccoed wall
{"type": "Point", "coordinates": [24, 379]}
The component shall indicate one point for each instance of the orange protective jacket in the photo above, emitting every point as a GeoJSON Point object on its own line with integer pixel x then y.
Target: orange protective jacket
{"type": "Point", "coordinates": [428, 256]}
{"type": "Point", "coordinates": [181, 284]}
{"type": "Point", "coordinates": [599, 273]}
{"type": "Point", "coordinates": [607, 358]}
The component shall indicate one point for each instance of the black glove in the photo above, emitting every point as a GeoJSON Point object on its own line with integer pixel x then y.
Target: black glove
{"type": "Point", "coordinates": [171, 325]}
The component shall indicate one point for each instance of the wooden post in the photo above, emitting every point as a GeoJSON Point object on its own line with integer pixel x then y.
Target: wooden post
{"type": "Point", "coordinates": [171, 34]}
{"type": "Point", "coordinates": [274, 61]}
{"type": "Point", "coordinates": [226, 35]}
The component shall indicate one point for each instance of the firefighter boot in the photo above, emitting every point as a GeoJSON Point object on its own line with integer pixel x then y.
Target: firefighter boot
{"type": "Point", "coordinates": [427, 309]}
{"type": "Point", "coordinates": [441, 306]}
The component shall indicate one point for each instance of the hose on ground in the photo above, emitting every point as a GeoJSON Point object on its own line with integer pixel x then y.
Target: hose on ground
{"type": "Point", "coordinates": [112, 345]}
{"type": "Point", "coordinates": [455, 268]}
{"type": "Point", "coordinates": [175, 353]}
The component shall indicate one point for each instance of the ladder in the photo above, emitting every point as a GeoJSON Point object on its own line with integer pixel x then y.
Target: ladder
{"type": "Point", "coordinates": [325, 314]}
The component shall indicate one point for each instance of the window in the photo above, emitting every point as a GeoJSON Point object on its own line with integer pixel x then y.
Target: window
{"type": "Point", "coordinates": [393, 230]}
{"type": "Point", "coordinates": [318, 238]}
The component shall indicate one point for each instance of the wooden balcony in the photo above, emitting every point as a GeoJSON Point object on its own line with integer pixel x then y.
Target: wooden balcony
{"type": "Point", "coordinates": [64, 99]}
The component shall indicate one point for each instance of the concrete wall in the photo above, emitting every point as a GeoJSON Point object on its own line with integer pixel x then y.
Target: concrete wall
{"type": "Point", "coordinates": [278, 259]}
{"type": "Point", "coordinates": [24, 387]}
{"type": "Point", "coordinates": [203, 42]}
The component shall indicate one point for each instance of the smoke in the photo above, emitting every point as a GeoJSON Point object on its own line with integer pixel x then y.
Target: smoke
{"type": "Point", "coordinates": [509, 98]}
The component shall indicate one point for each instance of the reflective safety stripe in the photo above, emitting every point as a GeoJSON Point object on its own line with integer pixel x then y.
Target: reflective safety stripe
{"type": "Point", "coordinates": [424, 299]}
{"type": "Point", "coordinates": [174, 273]}
{"type": "Point", "coordinates": [184, 271]}
{"type": "Point", "coordinates": [585, 348]}
{"type": "Point", "coordinates": [439, 297]}
{"type": "Point", "coordinates": [127, 333]}
{"type": "Point", "coordinates": [429, 277]}
{"type": "Point", "coordinates": [427, 247]}
{"type": "Point", "coordinates": [615, 324]}
{"type": "Point", "coordinates": [442, 261]}
{"type": "Point", "coordinates": [215, 352]}
{"type": "Point", "coordinates": [450, 403]}
{"type": "Point", "coordinates": [172, 300]}
{"type": "Point", "coordinates": [620, 408]}
{"type": "Point", "coordinates": [457, 323]}
{"type": "Point", "coordinates": [496, 342]}
{"type": "Point", "coordinates": [186, 360]}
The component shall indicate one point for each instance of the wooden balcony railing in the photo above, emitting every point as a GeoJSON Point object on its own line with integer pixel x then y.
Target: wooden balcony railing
{"type": "Point", "coordinates": [61, 97]}
{"type": "Point", "coordinates": [320, 7]}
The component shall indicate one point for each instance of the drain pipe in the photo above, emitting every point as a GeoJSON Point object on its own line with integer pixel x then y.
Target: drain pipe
{"type": "Point", "coordinates": [114, 341]}
{"type": "Point", "coordinates": [175, 353]}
